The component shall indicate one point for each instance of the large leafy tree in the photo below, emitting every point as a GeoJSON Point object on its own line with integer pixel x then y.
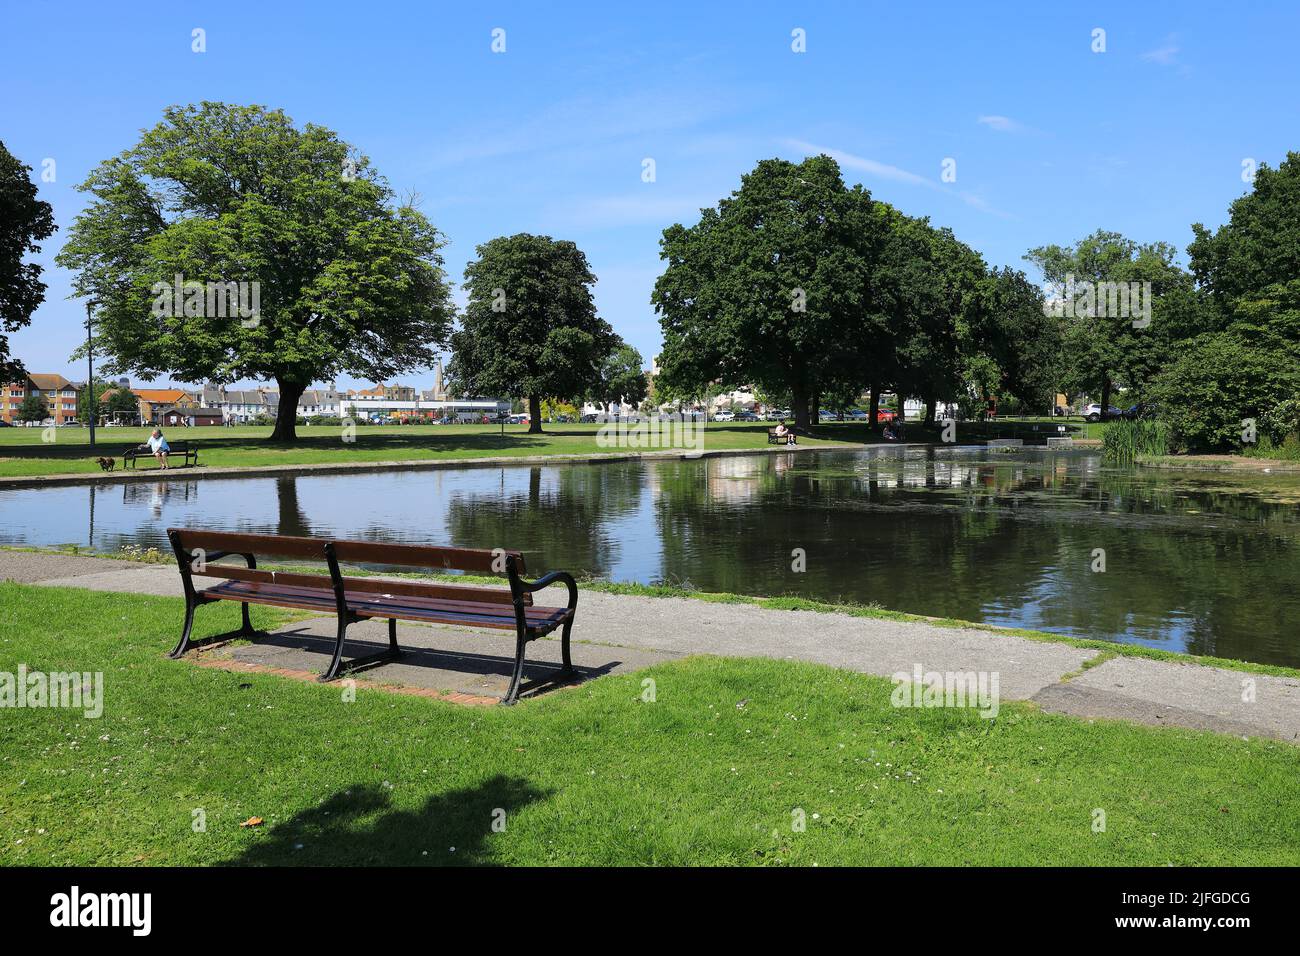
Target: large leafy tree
{"type": "Point", "coordinates": [351, 282]}
{"type": "Point", "coordinates": [1107, 350]}
{"type": "Point", "coordinates": [530, 328]}
{"type": "Point", "coordinates": [33, 408]}
{"type": "Point", "coordinates": [24, 222]}
{"type": "Point", "coordinates": [622, 377]}
{"type": "Point", "coordinates": [770, 288]}
{"type": "Point", "coordinates": [930, 282]}
{"type": "Point", "coordinates": [1238, 360]}
{"type": "Point", "coordinates": [1019, 349]}
{"type": "Point", "coordinates": [1259, 246]}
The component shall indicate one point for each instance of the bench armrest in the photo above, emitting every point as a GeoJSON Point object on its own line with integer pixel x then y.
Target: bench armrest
{"type": "Point", "coordinates": [549, 579]}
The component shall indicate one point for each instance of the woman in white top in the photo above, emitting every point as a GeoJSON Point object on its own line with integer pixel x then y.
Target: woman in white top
{"type": "Point", "coordinates": [158, 445]}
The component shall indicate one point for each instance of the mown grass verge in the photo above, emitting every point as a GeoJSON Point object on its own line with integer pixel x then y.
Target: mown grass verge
{"type": "Point", "coordinates": [720, 767]}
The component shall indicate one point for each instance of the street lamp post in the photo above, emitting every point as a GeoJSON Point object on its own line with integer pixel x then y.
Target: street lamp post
{"type": "Point", "coordinates": [90, 375]}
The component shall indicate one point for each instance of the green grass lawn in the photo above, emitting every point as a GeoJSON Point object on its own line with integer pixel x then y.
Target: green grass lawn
{"type": "Point", "coordinates": [24, 454]}
{"type": "Point", "coordinates": [711, 772]}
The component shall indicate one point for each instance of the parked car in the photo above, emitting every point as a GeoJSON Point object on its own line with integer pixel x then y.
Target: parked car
{"type": "Point", "coordinates": [858, 415]}
{"type": "Point", "coordinates": [746, 417]}
{"type": "Point", "coordinates": [1092, 412]}
{"type": "Point", "coordinates": [1141, 410]}
{"type": "Point", "coordinates": [724, 417]}
{"type": "Point", "coordinates": [885, 415]}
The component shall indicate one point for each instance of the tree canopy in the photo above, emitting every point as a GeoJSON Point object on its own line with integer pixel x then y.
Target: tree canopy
{"type": "Point", "coordinates": [802, 286]}
{"type": "Point", "coordinates": [769, 287]}
{"type": "Point", "coordinates": [1110, 338]}
{"type": "Point", "coordinates": [25, 221]}
{"type": "Point", "coordinates": [622, 377]}
{"type": "Point", "coordinates": [530, 328]}
{"type": "Point", "coordinates": [343, 278]}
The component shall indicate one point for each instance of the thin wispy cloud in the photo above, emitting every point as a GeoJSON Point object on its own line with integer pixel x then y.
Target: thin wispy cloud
{"type": "Point", "coordinates": [861, 164]}
{"type": "Point", "coordinates": [895, 174]}
{"type": "Point", "coordinates": [1002, 124]}
{"type": "Point", "coordinates": [1166, 55]}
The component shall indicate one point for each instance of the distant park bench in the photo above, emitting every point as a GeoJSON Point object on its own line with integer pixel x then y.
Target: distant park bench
{"type": "Point", "coordinates": [187, 452]}
{"type": "Point", "coordinates": [774, 439]}
{"type": "Point", "coordinates": [353, 599]}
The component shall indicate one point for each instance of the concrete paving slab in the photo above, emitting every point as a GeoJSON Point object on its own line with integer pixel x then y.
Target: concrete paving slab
{"type": "Point", "coordinates": [474, 661]}
{"type": "Point", "coordinates": [868, 645]}
{"type": "Point", "coordinates": [30, 567]}
{"type": "Point", "coordinates": [1186, 695]}
{"type": "Point", "coordinates": [161, 580]}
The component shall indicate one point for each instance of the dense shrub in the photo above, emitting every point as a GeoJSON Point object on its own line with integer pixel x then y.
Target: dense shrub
{"type": "Point", "coordinates": [1217, 383]}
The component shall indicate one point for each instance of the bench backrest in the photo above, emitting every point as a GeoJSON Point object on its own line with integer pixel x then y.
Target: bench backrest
{"type": "Point", "coordinates": [479, 561]}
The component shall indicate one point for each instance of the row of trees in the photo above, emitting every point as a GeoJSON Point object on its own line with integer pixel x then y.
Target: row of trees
{"type": "Point", "coordinates": [814, 292]}
{"type": "Point", "coordinates": [351, 279]}
{"type": "Point", "coordinates": [811, 289]}
{"type": "Point", "coordinates": [1219, 358]}
{"type": "Point", "coordinates": [796, 283]}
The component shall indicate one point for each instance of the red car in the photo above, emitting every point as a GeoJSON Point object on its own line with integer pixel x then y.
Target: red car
{"type": "Point", "coordinates": [885, 415]}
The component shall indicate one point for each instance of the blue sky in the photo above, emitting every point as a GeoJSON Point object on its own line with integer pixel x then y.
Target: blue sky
{"type": "Point", "coordinates": [1051, 140]}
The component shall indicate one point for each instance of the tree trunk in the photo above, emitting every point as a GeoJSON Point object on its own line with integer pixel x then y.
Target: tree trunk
{"type": "Point", "coordinates": [873, 410]}
{"type": "Point", "coordinates": [1105, 398]}
{"type": "Point", "coordinates": [930, 404]}
{"type": "Point", "coordinates": [286, 416]}
{"type": "Point", "coordinates": [534, 414]}
{"type": "Point", "coordinates": [815, 407]}
{"type": "Point", "coordinates": [800, 399]}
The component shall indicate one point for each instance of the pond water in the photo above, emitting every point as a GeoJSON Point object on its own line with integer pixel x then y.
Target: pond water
{"type": "Point", "coordinates": [1008, 538]}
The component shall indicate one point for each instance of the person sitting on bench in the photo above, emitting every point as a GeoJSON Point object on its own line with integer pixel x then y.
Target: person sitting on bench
{"type": "Point", "coordinates": [158, 445]}
{"type": "Point", "coordinates": [783, 432]}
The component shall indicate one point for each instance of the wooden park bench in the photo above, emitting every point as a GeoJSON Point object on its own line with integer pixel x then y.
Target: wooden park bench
{"type": "Point", "coordinates": [774, 439]}
{"type": "Point", "coordinates": [354, 599]}
{"type": "Point", "coordinates": [187, 452]}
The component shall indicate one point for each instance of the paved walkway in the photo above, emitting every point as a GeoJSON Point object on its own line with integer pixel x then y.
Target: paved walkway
{"type": "Point", "coordinates": [616, 633]}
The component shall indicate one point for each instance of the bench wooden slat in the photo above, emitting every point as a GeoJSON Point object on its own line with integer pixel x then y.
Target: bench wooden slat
{"type": "Point", "coordinates": [369, 604]}
{"type": "Point", "coordinates": [240, 543]}
{"type": "Point", "coordinates": [478, 560]}
{"type": "Point", "coordinates": [462, 592]}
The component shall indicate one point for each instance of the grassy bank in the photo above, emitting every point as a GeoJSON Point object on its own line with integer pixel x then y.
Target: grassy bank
{"type": "Point", "coordinates": [23, 453]}
{"type": "Point", "coordinates": [712, 772]}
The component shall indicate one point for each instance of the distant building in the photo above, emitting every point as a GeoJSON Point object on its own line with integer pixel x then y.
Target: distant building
{"type": "Point", "coordinates": [60, 397]}
{"type": "Point", "coordinates": [320, 401]}
{"type": "Point", "coordinates": [153, 401]}
{"type": "Point", "coordinates": [394, 393]}
{"type": "Point", "coordinates": [373, 408]}
{"type": "Point", "coordinates": [439, 391]}
{"type": "Point", "coordinates": [240, 405]}
{"type": "Point", "coordinates": [189, 416]}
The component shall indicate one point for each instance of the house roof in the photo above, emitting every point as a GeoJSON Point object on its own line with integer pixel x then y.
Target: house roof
{"type": "Point", "coordinates": [157, 395]}
{"type": "Point", "coordinates": [49, 383]}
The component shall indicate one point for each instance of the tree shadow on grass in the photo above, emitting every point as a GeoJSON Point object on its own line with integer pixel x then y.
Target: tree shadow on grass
{"type": "Point", "coordinates": [359, 827]}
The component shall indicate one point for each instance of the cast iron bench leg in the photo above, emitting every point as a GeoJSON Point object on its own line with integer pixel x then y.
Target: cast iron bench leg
{"type": "Point", "coordinates": [179, 650]}
{"type": "Point", "coordinates": [332, 671]}
{"type": "Point", "coordinates": [567, 669]}
{"type": "Point", "coordinates": [337, 666]}
{"type": "Point", "coordinates": [512, 695]}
